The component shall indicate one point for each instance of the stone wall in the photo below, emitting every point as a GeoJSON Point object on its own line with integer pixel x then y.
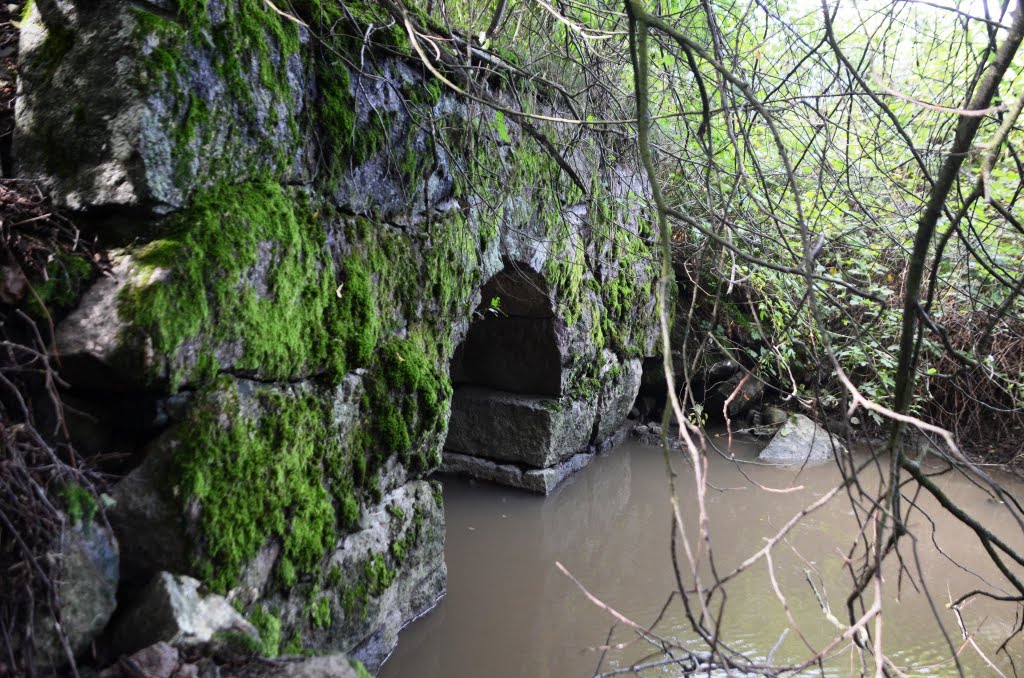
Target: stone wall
{"type": "Point", "coordinates": [300, 224]}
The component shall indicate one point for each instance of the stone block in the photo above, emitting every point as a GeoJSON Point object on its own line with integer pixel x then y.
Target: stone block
{"type": "Point", "coordinates": [539, 480]}
{"type": "Point", "coordinates": [522, 429]}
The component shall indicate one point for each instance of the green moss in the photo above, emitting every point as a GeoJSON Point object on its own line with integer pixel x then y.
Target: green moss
{"type": "Point", "coordinates": [438, 492]}
{"type": "Point", "coordinates": [79, 503]}
{"type": "Point", "coordinates": [335, 116]}
{"type": "Point", "coordinates": [318, 608]}
{"type": "Point", "coordinates": [350, 509]}
{"type": "Point", "coordinates": [348, 25]}
{"type": "Point", "coordinates": [378, 576]}
{"type": "Point", "coordinates": [252, 45]}
{"type": "Point", "coordinates": [66, 277]}
{"type": "Point", "coordinates": [358, 322]}
{"type": "Point", "coordinates": [294, 647]}
{"type": "Point", "coordinates": [374, 578]}
{"type": "Point", "coordinates": [402, 545]}
{"type": "Point", "coordinates": [343, 31]}
{"type": "Point", "coordinates": [286, 571]}
{"type": "Point", "coordinates": [631, 288]}
{"type": "Point", "coordinates": [256, 477]}
{"type": "Point", "coordinates": [269, 625]}
{"type": "Point", "coordinates": [236, 643]}
{"type": "Point", "coordinates": [360, 670]}
{"type": "Point", "coordinates": [406, 396]}
{"type": "Point", "coordinates": [229, 236]}
{"type": "Point", "coordinates": [452, 266]}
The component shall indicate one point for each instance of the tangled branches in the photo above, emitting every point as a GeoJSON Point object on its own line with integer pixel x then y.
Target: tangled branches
{"type": "Point", "coordinates": [852, 169]}
{"type": "Point", "coordinates": [44, 485]}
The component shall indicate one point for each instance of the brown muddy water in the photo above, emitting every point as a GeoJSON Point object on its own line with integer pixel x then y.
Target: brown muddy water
{"type": "Point", "coordinates": [510, 612]}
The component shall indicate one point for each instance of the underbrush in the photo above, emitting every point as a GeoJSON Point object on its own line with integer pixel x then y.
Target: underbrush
{"type": "Point", "coordinates": [970, 372]}
{"type": "Point", "coordinates": [45, 486]}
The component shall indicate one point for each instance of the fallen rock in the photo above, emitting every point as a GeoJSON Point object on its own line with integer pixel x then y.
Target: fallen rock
{"type": "Point", "coordinates": [801, 441]}
{"type": "Point", "coordinates": [723, 369]}
{"type": "Point", "coordinates": [172, 610]}
{"type": "Point", "coordinates": [718, 391]}
{"type": "Point", "coordinates": [86, 580]}
{"type": "Point", "coordinates": [147, 517]}
{"type": "Point", "coordinates": [95, 343]}
{"type": "Point", "coordinates": [156, 661]}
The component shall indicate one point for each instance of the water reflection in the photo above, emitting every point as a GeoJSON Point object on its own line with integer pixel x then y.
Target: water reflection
{"type": "Point", "coordinates": [509, 612]}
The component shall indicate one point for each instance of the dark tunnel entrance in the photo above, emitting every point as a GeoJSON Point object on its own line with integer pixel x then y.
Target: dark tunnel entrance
{"type": "Point", "coordinates": [507, 375]}
{"type": "Point", "coordinates": [511, 344]}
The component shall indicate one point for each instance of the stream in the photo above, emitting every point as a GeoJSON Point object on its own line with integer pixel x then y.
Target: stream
{"type": "Point", "coordinates": [510, 612]}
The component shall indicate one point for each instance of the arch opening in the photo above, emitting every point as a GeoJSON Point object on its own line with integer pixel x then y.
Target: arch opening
{"type": "Point", "coordinates": [511, 345]}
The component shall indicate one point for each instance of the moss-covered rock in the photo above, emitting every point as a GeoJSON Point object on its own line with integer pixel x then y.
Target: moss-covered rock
{"type": "Point", "coordinates": [134, 107]}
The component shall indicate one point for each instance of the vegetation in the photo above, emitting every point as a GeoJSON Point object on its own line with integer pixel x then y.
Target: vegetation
{"type": "Point", "coordinates": [45, 488]}
{"type": "Point", "coordinates": [835, 190]}
{"type": "Point", "coordinates": [291, 320]}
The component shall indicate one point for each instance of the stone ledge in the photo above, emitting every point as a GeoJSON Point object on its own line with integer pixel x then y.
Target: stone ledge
{"type": "Point", "coordinates": [541, 481]}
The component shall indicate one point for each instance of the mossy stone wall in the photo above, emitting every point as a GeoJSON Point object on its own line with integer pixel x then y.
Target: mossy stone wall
{"type": "Point", "coordinates": [304, 222]}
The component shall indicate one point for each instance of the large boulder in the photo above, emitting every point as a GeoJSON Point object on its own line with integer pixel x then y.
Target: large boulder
{"type": "Point", "coordinates": [389, 572]}
{"type": "Point", "coordinates": [147, 516]}
{"type": "Point", "coordinates": [801, 441]}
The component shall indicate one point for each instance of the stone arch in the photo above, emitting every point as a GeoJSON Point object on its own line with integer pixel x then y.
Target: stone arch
{"type": "Point", "coordinates": [512, 344]}
{"type": "Point", "coordinates": [517, 417]}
